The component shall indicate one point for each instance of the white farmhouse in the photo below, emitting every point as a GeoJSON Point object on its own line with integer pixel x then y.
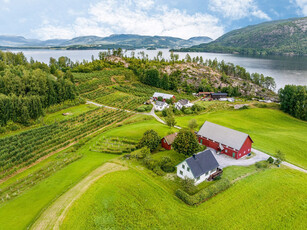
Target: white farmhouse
{"type": "Point", "coordinates": [160, 105]}
{"type": "Point", "coordinates": [183, 103]}
{"type": "Point", "coordinates": [198, 167]}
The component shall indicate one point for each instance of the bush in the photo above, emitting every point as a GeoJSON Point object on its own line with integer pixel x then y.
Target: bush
{"type": "Point", "coordinates": [270, 160]}
{"type": "Point", "coordinates": [158, 171]}
{"type": "Point", "coordinates": [244, 107]}
{"type": "Point", "coordinates": [13, 126]}
{"type": "Point", "coordinates": [2, 130]}
{"type": "Point", "coordinates": [188, 185]}
{"type": "Point", "coordinates": [141, 153]}
{"type": "Point", "coordinates": [204, 194]}
{"type": "Point", "coordinates": [262, 164]}
{"type": "Point", "coordinates": [150, 163]}
{"type": "Point", "coordinates": [167, 165]}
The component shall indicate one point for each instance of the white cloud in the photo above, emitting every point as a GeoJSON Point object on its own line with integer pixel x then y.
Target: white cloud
{"type": "Point", "coordinates": [237, 9]}
{"type": "Point", "coordinates": [302, 5]}
{"type": "Point", "coordinates": [138, 17]}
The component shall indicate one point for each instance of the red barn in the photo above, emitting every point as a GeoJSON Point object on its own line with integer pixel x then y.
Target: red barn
{"type": "Point", "coordinates": [225, 140]}
{"type": "Point", "coordinates": [167, 141]}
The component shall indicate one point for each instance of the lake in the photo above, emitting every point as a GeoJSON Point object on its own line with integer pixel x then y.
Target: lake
{"type": "Point", "coordinates": [285, 70]}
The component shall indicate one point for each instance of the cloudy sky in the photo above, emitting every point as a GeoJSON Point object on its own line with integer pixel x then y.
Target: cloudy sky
{"type": "Point", "coordinates": [48, 19]}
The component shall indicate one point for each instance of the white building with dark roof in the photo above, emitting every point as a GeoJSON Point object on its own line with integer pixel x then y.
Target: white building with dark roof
{"type": "Point", "coordinates": [198, 167]}
{"type": "Point", "coordinates": [183, 103]}
{"type": "Point", "coordinates": [163, 95]}
{"type": "Point", "coordinates": [160, 105]}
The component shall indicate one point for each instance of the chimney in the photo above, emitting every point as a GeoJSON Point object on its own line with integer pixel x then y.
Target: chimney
{"type": "Point", "coordinates": [194, 156]}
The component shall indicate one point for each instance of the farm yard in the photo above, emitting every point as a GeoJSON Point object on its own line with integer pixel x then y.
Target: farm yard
{"type": "Point", "coordinates": [81, 156]}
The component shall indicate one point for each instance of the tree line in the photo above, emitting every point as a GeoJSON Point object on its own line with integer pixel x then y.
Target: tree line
{"type": "Point", "coordinates": [26, 88]}
{"type": "Point", "coordinates": [293, 100]}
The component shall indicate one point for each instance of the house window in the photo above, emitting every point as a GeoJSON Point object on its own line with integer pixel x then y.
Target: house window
{"type": "Point", "coordinates": [244, 152]}
{"type": "Point", "coordinates": [183, 166]}
{"type": "Point", "coordinates": [188, 169]}
{"type": "Point", "coordinates": [197, 178]}
{"type": "Point", "coordinates": [226, 150]}
{"type": "Point", "coordinates": [207, 173]}
{"type": "Point", "coordinates": [181, 173]}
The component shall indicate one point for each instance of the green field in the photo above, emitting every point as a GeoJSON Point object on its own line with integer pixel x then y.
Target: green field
{"type": "Point", "coordinates": [273, 199]}
{"type": "Point", "coordinates": [271, 130]}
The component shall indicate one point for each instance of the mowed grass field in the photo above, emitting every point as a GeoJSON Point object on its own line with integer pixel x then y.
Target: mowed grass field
{"type": "Point", "coordinates": [271, 199]}
{"type": "Point", "coordinates": [270, 129]}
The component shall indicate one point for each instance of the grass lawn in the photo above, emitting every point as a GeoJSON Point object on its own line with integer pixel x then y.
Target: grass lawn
{"type": "Point", "coordinates": [271, 199]}
{"type": "Point", "coordinates": [21, 211]}
{"type": "Point", "coordinates": [271, 130]}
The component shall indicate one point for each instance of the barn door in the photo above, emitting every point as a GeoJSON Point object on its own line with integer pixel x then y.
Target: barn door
{"type": "Point", "coordinates": [234, 155]}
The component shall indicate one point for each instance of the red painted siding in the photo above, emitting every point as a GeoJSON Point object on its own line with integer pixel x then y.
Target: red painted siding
{"type": "Point", "coordinates": [245, 149]}
{"type": "Point", "coordinates": [165, 145]}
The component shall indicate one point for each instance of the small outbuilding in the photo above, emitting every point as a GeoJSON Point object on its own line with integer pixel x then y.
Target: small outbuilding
{"type": "Point", "coordinates": [198, 167]}
{"type": "Point", "coordinates": [167, 141]}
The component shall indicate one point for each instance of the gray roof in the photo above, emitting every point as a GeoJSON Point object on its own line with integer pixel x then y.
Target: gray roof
{"type": "Point", "coordinates": [160, 103]}
{"type": "Point", "coordinates": [202, 163]}
{"type": "Point", "coordinates": [219, 94]}
{"type": "Point", "coordinates": [163, 95]}
{"type": "Point", "coordinates": [223, 135]}
{"type": "Point", "coordinates": [183, 101]}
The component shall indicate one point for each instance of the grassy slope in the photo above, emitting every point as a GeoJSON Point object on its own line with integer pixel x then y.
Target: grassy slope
{"type": "Point", "coordinates": [21, 211]}
{"type": "Point", "coordinates": [271, 130]}
{"type": "Point", "coordinates": [272, 199]}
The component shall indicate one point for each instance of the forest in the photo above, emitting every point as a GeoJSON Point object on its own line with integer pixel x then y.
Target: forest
{"type": "Point", "coordinates": [27, 88]}
{"type": "Point", "coordinates": [293, 100]}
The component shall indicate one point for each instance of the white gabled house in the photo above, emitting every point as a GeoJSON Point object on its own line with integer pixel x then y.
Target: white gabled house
{"type": "Point", "coordinates": [160, 105]}
{"type": "Point", "coordinates": [198, 167]}
{"type": "Point", "coordinates": [183, 103]}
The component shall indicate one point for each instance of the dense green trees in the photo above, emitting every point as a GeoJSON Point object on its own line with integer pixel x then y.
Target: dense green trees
{"type": "Point", "coordinates": [186, 143]}
{"type": "Point", "coordinates": [150, 139]}
{"type": "Point", "coordinates": [293, 100]}
{"type": "Point", "coordinates": [27, 88]}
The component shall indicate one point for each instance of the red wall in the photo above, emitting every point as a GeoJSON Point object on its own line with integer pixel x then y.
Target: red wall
{"type": "Point", "coordinates": [165, 145]}
{"type": "Point", "coordinates": [247, 146]}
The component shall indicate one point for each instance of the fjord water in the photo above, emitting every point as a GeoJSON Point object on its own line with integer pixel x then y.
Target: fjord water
{"type": "Point", "coordinates": [285, 70]}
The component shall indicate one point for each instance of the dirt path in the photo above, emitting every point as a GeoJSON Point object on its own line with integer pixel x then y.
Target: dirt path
{"type": "Point", "coordinates": [54, 215]}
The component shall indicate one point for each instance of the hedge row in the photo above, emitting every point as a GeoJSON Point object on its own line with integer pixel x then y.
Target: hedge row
{"type": "Point", "coordinates": [204, 194]}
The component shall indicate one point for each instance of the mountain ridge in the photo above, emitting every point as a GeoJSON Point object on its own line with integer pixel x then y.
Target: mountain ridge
{"type": "Point", "coordinates": [115, 40]}
{"type": "Point", "coordinates": [281, 37]}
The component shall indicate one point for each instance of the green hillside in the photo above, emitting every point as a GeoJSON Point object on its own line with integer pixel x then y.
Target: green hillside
{"type": "Point", "coordinates": [284, 37]}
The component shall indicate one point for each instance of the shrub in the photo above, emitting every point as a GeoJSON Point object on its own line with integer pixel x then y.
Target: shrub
{"type": "Point", "coordinates": [244, 107]}
{"type": "Point", "coordinates": [167, 165]}
{"type": "Point", "coordinates": [270, 160]}
{"type": "Point", "coordinates": [188, 185]}
{"type": "Point", "coordinates": [193, 124]}
{"type": "Point", "coordinates": [158, 170]}
{"type": "Point", "coordinates": [204, 194]}
{"type": "Point", "coordinates": [262, 164]}
{"type": "Point", "coordinates": [2, 130]}
{"type": "Point", "coordinates": [150, 163]}
{"type": "Point", "coordinates": [141, 153]}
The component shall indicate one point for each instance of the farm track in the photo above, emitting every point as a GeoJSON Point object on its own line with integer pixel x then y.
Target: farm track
{"type": "Point", "coordinates": [54, 215]}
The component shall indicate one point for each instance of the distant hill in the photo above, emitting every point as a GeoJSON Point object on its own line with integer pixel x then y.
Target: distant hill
{"type": "Point", "coordinates": [283, 37]}
{"type": "Point", "coordinates": [127, 41]}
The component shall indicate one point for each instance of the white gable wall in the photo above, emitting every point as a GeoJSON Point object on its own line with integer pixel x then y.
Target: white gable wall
{"type": "Point", "coordinates": [183, 172]}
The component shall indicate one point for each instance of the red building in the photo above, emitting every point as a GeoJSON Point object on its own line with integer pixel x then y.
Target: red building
{"type": "Point", "coordinates": [224, 140]}
{"type": "Point", "coordinates": [167, 141]}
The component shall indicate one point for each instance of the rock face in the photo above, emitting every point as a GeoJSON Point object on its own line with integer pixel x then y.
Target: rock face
{"type": "Point", "coordinates": [197, 74]}
{"type": "Point", "coordinates": [284, 37]}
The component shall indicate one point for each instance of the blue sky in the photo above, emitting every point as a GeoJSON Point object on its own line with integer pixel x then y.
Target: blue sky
{"type": "Point", "coordinates": [48, 19]}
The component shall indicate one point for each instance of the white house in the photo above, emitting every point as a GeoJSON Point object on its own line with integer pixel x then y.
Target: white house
{"type": "Point", "coordinates": [198, 167]}
{"type": "Point", "coordinates": [160, 105]}
{"type": "Point", "coordinates": [163, 95]}
{"type": "Point", "coordinates": [183, 103]}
